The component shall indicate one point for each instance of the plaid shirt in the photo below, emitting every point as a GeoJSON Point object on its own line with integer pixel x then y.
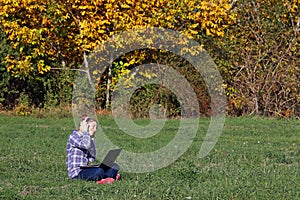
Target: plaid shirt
{"type": "Point", "coordinates": [81, 149]}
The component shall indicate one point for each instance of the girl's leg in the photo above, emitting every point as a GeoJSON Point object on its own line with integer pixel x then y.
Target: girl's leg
{"type": "Point", "coordinates": [92, 174]}
{"type": "Point", "coordinates": [112, 172]}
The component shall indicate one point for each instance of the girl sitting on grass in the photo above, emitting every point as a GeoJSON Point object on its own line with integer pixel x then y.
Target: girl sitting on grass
{"type": "Point", "coordinates": [81, 150]}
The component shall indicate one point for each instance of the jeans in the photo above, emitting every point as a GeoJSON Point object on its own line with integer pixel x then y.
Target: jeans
{"type": "Point", "coordinates": [98, 173]}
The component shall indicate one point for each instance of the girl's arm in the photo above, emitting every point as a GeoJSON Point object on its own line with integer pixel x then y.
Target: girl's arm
{"type": "Point", "coordinates": [83, 142]}
{"type": "Point", "coordinates": [92, 151]}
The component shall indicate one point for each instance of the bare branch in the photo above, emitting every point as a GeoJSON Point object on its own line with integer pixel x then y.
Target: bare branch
{"type": "Point", "coordinates": [64, 68]}
{"type": "Point", "coordinates": [232, 3]}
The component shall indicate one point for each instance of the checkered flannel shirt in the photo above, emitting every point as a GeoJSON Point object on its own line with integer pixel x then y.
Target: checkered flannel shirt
{"type": "Point", "coordinates": [81, 149]}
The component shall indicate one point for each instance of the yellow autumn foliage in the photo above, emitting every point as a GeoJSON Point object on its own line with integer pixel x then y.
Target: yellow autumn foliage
{"type": "Point", "coordinates": [45, 32]}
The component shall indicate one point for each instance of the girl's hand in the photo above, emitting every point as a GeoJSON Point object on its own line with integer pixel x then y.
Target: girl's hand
{"type": "Point", "coordinates": [83, 127]}
{"type": "Point", "coordinates": [92, 128]}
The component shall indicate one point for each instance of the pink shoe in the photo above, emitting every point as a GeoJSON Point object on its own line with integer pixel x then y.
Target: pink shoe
{"type": "Point", "coordinates": [106, 181]}
{"type": "Point", "coordinates": [118, 177]}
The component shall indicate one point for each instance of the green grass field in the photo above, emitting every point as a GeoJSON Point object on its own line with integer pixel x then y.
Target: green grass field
{"type": "Point", "coordinates": [255, 158]}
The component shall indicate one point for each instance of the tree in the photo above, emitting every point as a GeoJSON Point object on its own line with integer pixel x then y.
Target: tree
{"type": "Point", "coordinates": [48, 32]}
{"type": "Point", "coordinates": [44, 32]}
{"type": "Point", "coordinates": [261, 58]}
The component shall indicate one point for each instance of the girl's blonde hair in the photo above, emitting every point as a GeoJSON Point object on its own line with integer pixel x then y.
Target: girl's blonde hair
{"type": "Point", "coordinates": [86, 119]}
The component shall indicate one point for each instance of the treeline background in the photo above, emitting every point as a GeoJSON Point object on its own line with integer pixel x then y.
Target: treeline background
{"type": "Point", "coordinates": [258, 57]}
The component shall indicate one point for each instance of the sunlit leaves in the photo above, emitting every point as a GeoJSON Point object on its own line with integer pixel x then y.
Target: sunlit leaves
{"type": "Point", "coordinates": [56, 31]}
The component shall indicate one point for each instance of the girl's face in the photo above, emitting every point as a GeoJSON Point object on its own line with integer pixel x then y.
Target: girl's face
{"type": "Point", "coordinates": [92, 128]}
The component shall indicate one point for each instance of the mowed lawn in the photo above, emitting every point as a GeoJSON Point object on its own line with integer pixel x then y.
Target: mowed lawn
{"type": "Point", "coordinates": [255, 158]}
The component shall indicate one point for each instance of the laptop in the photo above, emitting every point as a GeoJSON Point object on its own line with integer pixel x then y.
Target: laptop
{"type": "Point", "coordinates": [108, 161]}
